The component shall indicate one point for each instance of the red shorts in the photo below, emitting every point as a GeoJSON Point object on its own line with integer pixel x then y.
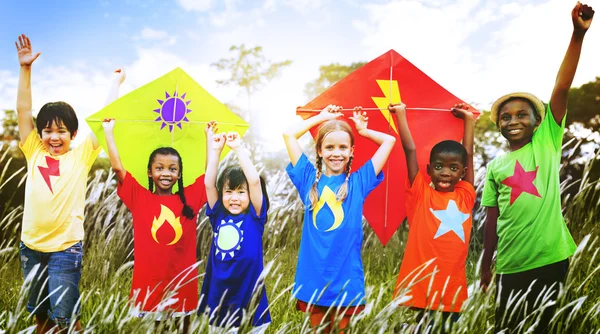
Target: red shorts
{"type": "Point", "coordinates": [346, 310]}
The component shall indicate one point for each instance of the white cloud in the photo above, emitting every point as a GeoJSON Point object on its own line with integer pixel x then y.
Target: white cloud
{"type": "Point", "coordinates": [149, 34]}
{"type": "Point", "coordinates": [196, 5]}
{"type": "Point", "coordinates": [477, 49]}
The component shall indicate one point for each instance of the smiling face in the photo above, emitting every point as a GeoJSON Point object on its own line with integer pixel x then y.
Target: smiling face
{"type": "Point", "coordinates": [236, 200]}
{"type": "Point", "coordinates": [445, 170]}
{"type": "Point", "coordinates": [517, 121]}
{"type": "Point", "coordinates": [164, 172]}
{"type": "Point", "coordinates": [336, 150]}
{"type": "Point", "coordinates": [57, 138]}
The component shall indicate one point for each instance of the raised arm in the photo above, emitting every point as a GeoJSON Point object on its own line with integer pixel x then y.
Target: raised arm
{"type": "Point", "coordinates": [255, 190]}
{"type": "Point", "coordinates": [291, 135]}
{"type": "Point", "coordinates": [490, 241]}
{"type": "Point", "coordinates": [408, 144]}
{"type": "Point", "coordinates": [566, 73]}
{"type": "Point", "coordinates": [113, 152]}
{"type": "Point", "coordinates": [460, 111]}
{"type": "Point", "coordinates": [215, 143]}
{"type": "Point", "coordinates": [385, 141]}
{"type": "Point", "coordinates": [113, 94]}
{"type": "Point", "coordinates": [24, 105]}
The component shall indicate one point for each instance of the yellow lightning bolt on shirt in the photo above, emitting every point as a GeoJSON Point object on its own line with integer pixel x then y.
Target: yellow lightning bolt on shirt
{"type": "Point", "coordinates": [167, 215]}
{"type": "Point", "coordinates": [383, 102]}
{"type": "Point", "coordinates": [328, 197]}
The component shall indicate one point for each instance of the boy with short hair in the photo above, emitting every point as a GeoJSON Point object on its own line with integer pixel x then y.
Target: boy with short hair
{"type": "Point", "coordinates": [52, 232]}
{"type": "Point", "coordinates": [433, 270]}
{"type": "Point", "coordinates": [522, 196]}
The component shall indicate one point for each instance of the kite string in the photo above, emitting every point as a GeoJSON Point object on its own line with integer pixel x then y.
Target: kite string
{"type": "Point", "coordinates": [387, 165]}
{"type": "Point", "coordinates": [370, 109]}
{"type": "Point", "coordinates": [152, 121]}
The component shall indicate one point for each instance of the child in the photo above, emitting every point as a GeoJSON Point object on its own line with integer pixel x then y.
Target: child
{"type": "Point", "coordinates": [53, 215]}
{"type": "Point", "coordinates": [330, 271]}
{"type": "Point", "coordinates": [237, 210]}
{"type": "Point", "coordinates": [433, 268]}
{"type": "Point", "coordinates": [165, 277]}
{"type": "Point", "coordinates": [522, 196]}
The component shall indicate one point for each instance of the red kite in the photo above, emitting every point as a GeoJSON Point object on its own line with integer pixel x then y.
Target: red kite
{"type": "Point", "coordinates": [391, 78]}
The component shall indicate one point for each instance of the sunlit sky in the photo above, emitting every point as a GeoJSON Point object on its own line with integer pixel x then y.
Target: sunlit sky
{"type": "Point", "coordinates": [478, 50]}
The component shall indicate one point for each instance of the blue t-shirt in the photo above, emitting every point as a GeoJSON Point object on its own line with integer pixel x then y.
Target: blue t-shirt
{"type": "Point", "coordinates": [330, 270]}
{"type": "Point", "coordinates": [234, 265]}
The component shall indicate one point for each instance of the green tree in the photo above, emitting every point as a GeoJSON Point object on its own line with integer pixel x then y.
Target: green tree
{"type": "Point", "coordinates": [10, 127]}
{"type": "Point", "coordinates": [328, 76]}
{"type": "Point", "coordinates": [250, 70]}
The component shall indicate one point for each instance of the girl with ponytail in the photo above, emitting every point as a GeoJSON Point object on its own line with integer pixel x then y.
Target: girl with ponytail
{"type": "Point", "coordinates": [165, 273]}
{"type": "Point", "coordinates": [330, 272]}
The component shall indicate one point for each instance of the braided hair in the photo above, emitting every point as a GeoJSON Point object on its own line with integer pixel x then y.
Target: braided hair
{"type": "Point", "coordinates": [187, 211]}
{"type": "Point", "coordinates": [323, 130]}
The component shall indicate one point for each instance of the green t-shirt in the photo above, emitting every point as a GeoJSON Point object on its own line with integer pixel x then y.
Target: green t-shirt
{"type": "Point", "coordinates": [524, 185]}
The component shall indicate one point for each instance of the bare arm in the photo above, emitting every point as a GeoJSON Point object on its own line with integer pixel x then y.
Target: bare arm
{"type": "Point", "coordinates": [460, 111]}
{"type": "Point", "coordinates": [113, 94]}
{"type": "Point", "coordinates": [566, 73]}
{"type": "Point", "coordinates": [490, 241]}
{"type": "Point", "coordinates": [255, 191]}
{"type": "Point", "coordinates": [215, 144]}
{"type": "Point", "coordinates": [293, 133]}
{"type": "Point", "coordinates": [24, 104]}
{"type": "Point", "coordinates": [385, 141]}
{"type": "Point", "coordinates": [113, 152]}
{"type": "Point", "coordinates": [408, 144]}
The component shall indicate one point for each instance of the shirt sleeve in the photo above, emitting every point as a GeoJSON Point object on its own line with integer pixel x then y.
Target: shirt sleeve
{"type": "Point", "coordinates": [414, 193]}
{"type": "Point", "coordinates": [195, 193]}
{"type": "Point", "coordinates": [213, 213]}
{"type": "Point", "coordinates": [32, 143]}
{"type": "Point", "coordinates": [550, 132]}
{"type": "Point", "coordinates": [466, 193]}
{"type": "Point", "coordinates": [303, 176]}
{"type": "Point", "coordinates": [490, 189]}
{"type": "Point", "coordinates": [130, 191]}
{"type": "Point", "coordinates": [262, 216]}
{"type": "Point", "coordinates": [86, 151]}
{"type": "Point", "coordinates": [367, 178]}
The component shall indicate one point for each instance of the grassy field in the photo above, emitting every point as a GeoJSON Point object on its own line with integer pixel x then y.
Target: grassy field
{"type": "Point", "coordinates": [108, 262]}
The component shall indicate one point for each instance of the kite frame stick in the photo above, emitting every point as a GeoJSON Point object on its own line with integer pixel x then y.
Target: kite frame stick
{"type": "Point", "coordinates": [370, 109]}
{"type": "Point", "coordinates": [151, 121]}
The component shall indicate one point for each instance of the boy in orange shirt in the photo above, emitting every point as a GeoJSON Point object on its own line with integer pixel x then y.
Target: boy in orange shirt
{"type": "Point", "coordinates": [432, 273]}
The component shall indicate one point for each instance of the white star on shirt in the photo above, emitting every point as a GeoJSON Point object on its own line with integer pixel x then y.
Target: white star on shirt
{"type": "Point", "coordinates": [450, 219]}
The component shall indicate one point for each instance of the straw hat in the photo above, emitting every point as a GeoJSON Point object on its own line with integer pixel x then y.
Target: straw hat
{"type": "Point", "coordinates": [537, 104]}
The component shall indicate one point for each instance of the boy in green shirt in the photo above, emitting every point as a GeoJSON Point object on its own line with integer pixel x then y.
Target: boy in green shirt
{"type": "Point", "coordinates": [522, 196]}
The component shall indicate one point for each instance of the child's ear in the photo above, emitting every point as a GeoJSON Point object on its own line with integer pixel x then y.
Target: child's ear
{"type": "Point", "coordinates": [352, 151]}
{"type": "Point", "coordinates": [464, 172]}
{"type": "Point", "coordinates": [73, 135]}
{"type": "Point", "coordinates": [149, 173]}
{"type": "Point", "coordinates": [428, 170]}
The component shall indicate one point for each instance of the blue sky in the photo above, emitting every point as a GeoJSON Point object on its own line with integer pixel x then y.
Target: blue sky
{"type": "Point", "coordinates": [477, 49]}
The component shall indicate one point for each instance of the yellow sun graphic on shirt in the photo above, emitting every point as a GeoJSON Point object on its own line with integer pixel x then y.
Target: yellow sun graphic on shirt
{"type": "Point", "coordinates": [228, 239]}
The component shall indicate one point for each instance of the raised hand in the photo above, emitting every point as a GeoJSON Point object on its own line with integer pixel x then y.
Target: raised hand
{"type": "Point", "coordinates": [218, 141]}
{"type": "Point", "coordinates": [397, 108]}
{"type": "Point", "coordinates": [233, 140]}
{"type": "Point", "coordinates": [331, 112]}
{"type": "Point", "coordinates": [26, 57]}
{"type": "Point", "coordinates": [360, 119]}
{"type": "Point", "coordinates": [210, 130]}
{"type": "Point", "coordinates": [119, 75]}
{"type": "Point", "coordinates": [460, 110]}
{"type": "Point", "coordinates": [108, 124]}
{"type": "Point", "coordinates": [582, 16]}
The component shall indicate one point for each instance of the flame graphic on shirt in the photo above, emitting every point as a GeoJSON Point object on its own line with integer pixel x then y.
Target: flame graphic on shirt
{"type": "Point", "coordinates": [166, 215]}
{"type": "Point", "coordinates": [328, 197]}
{"type": "Point", "coordinates": [51, 170]}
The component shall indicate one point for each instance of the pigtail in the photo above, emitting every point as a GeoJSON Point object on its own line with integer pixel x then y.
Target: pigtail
{"type": "Point", "coordinates": [187, 211]}
{"type": "Point", "coordinates": [343, 191]}
{"type": "Point", "coordinates": [150, 184]}
{"type": "Point", "coordinates": [314, 192]}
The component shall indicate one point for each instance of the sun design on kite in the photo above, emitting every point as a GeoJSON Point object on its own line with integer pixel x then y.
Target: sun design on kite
{"type": "Point", "coordinates": [173, 110]}
{"type": "Point", "coordinates": [228, 238]}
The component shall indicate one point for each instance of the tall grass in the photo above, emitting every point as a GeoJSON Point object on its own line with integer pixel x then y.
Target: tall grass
{"type": "Point", "coordinates": [108, 263]}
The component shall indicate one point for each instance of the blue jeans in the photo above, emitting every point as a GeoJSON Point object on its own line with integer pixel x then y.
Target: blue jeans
{"type": "Point", "coordinates": [53, 282]}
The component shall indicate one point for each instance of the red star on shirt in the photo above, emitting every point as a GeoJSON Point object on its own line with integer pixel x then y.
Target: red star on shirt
{"type": "Point", "coordinates": [520, 182]}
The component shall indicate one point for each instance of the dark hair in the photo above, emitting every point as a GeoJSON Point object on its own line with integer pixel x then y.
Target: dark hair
{"type": "Point", "coordinates": [449, 147]}
{"type": "Point", "coordinates": [538, 117]}
{"type": "Point", "coordinates": [234, 177]}
{"type": "Point", "coordinates": [59, 112]}
{"type": "Point", "coordinates": [187, 210]}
